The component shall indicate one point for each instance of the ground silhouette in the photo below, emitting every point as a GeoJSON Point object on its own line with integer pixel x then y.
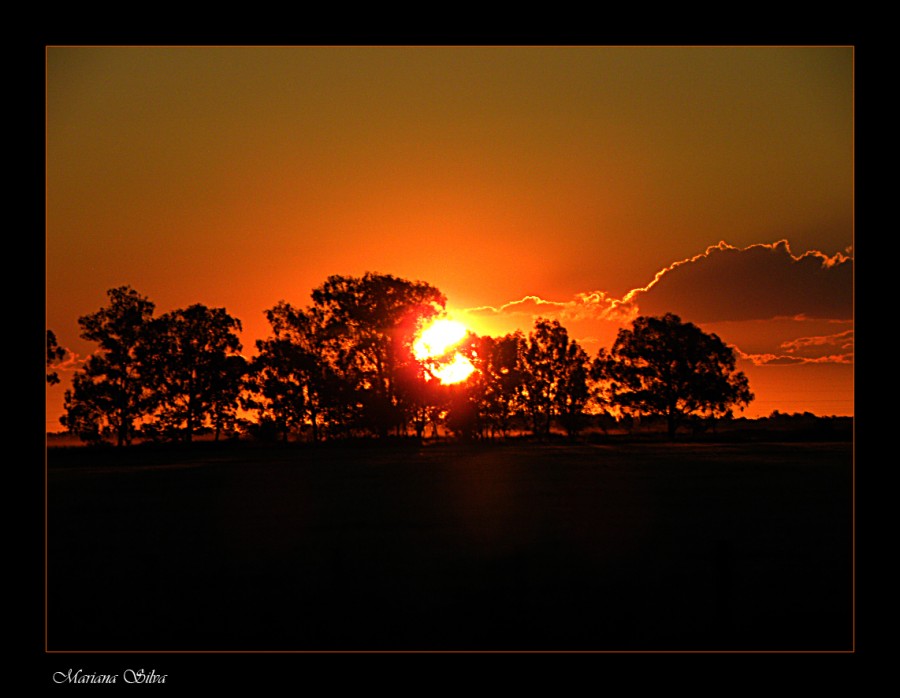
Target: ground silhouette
{"type": "Point", "coordinates": [411, 546]}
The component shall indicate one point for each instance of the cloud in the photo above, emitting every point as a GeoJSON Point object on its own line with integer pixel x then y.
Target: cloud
{"type": "Point", "coordinates": [592, 318]}
{"type": "Point", "coordinates": [71, 363]}
{"type": "Point", "coordinates": [524, 306]}
{"type": "Point", "coordinates": [820, 344]}
{"type": "Point", "coordinates": [821, 349]}
{"type": "Point", "coordinates": [793, 340]}
{"type": "Point", "coordinates": [592, 305]}
{"type": "Point", "coordinates": [791, 360]}
{"type": "Point", "coordinates": [769, 359]}
{"type": "Point", "coordinates": [777, 305]}
{"type": "Point", "coordinates": [723, 283]}
{"type": "Point", "coordinates": [761, 281]}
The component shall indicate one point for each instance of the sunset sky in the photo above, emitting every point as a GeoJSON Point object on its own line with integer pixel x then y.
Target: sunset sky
{"type": "Point", "coordinates": [588, 184]}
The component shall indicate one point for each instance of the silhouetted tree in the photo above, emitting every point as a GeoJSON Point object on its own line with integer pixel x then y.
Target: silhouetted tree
{"type": "Point", "coordinates": [573, 389]}
{"type": "Point", "coordinates": [192, 369]}
{"type": "Point", "coordinates": [663, 367]}
{"type": "Point", "coordinates": [500, 376]}
{"type": "Point", "coordinates": [462, 416]}
{"type": "Point", "coordinates": [91, 408]}
{"type": "Point", "coordinates": [55, 354]}
{"type": "Point", "coordinates": [367, 325]}
{"type": "Point", "coordinates": [291, 382]}
{"type": "Point", "coordinates": [108, 394]}
{"type": "Point", "coordinates": [277, 391]}
{"type": "Point", "coordinates": [421, 395]}
{"type": "Point", "coordinates": [606, 413]}
{"type": "Point", "coordinates": [227, 380]}
{"type": "Point", "coordinates": [555, 371]}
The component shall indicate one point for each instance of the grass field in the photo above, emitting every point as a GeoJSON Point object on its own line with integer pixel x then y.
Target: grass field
{"type": "Point", "coordinates": [624, 546]}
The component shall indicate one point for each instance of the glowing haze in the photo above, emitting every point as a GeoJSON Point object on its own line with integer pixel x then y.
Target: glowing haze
{"type": "Point", "coordinates": [585, 184]}
{"type": "Point", "coordinates": [438, 337]}
{"type": "Point", "coordinates": [435, 346]}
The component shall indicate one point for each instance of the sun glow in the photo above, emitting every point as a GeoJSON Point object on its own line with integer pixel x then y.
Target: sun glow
{"type": "Point", "coordinates": [436, 339]}
{"type": "Point", "coordinates": [456, 371]}
{"type": "Point", "coordinates": [435, 345]}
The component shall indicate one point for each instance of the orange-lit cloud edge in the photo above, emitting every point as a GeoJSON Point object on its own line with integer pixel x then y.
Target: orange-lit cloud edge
{"type": "Point", "coordinates": [759, 284]}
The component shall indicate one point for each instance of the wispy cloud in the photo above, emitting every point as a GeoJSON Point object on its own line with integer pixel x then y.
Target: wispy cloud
{"type": "Point", "coordinates": [769, 359]}
{"type": "Point", "coordinates": [71, 363]}
{"type": "Point", "coordinates": [592, 305]}
{"type": "Point", "coordinates": [821, 349]}
{"type": "Point", "coordinates": [841, 340]}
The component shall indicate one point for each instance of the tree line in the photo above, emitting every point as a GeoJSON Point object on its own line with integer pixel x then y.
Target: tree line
{"type": "Point", "coordinates": [343, 366]}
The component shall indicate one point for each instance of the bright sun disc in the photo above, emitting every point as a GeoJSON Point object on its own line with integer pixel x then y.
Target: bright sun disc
{"type": "Point", "coordinates": [454, 372]}
{"type": "Point", "coordinates": [436, 339]}
{"type": "Point", "coordinates": [435, 345]}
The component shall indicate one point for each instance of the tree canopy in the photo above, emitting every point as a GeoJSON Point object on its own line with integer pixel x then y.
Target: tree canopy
{"type": "Point", "coordinates": [368, 325]}
{"type": "Point", "coordinates": [347, 365]}
{"type": "Point", "coordinates": [555, 373]}
{"type": "Point", "coordinates": [662, 366]}
{"type": "Point", "coordinates": [110, 392]}
{"type": "Point", "coordinates": [192, 364]}
{"type": "Point", "coordinates": [290, 383]}
{"type": "Point", "coordinates": [168, 377]}
{"type": "Point", "coordinates": [55, 354]}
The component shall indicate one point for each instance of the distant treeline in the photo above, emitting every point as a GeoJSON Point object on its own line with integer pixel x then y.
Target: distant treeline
{"type": "Point", "coordinates": [344, 367]}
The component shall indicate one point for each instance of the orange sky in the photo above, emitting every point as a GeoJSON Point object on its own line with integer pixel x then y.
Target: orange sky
{"type": "Point", "coordinates": [518, 180]}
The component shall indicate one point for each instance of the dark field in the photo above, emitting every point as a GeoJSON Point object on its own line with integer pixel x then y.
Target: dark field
{"type": "Point", "coordinates": [635, 546]}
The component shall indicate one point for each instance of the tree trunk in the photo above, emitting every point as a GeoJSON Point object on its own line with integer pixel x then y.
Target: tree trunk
{"type": "Point", "coordinates": [122, 431]}
{"type": "Point", "coordinates": [672, 424]}
{"type": "Point", "coordinates": [190, 415]}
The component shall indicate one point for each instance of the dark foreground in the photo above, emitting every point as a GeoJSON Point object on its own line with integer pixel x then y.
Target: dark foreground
{"type": "Point", "coordinates": [511, 547]}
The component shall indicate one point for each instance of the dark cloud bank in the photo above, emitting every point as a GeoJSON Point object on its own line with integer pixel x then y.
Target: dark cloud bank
{"type": "Point", "coordinates": [754, 283]}
{"type": "Point", "coordinates": [749, 289]}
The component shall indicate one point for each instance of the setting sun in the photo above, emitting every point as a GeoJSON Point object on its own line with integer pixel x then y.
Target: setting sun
{"type": "Point", "coordinates": [437, 338]}
{"type": "Point", "coordinates": [435, 344]}
{"type": "Point", "coordinates": [456, 371]}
